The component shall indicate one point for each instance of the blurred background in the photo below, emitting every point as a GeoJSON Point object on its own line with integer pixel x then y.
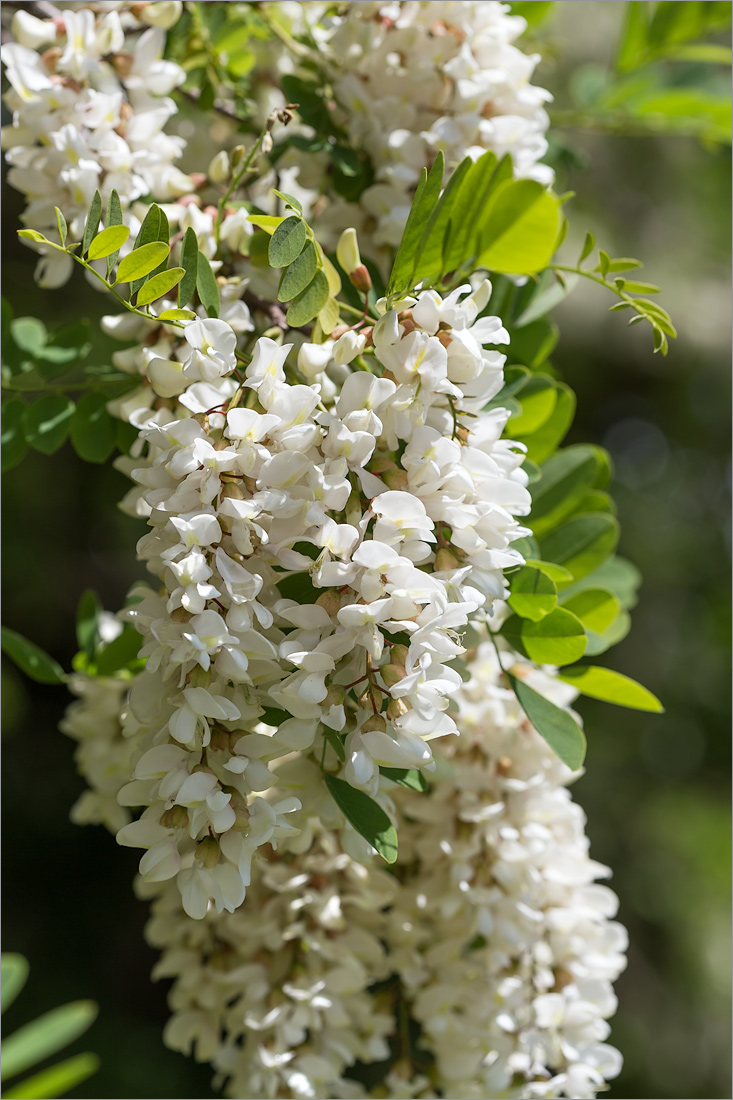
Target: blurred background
{"type": "Point", "coordinates": [657, 792]}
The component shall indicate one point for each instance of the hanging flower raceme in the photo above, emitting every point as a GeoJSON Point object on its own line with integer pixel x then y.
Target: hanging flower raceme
{"type": "Point", "coordinates": [90, 98]}
{"type": "Point", "coordinates": [322, 547]}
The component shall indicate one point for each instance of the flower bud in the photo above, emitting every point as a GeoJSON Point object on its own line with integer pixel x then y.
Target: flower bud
{"type": "Point", "coordinates": [330, 601]}
{"type": "Point", "coordinates": [238, 154]}
{"type": "Point", "coordinates": [347, 251]}
{"type": "Point", "coordinates": [162, 13]}
{"type": "Point", "coordinates": [219, 169]}
{"type": "Point", "coordinates": [395, 479]}
{"type": "Point", "coordinates": [267, 143]}
{"type": "Point", "coordinates": [398, 655]}
{"type": "Point", "coordinates": [392, 674]}
{"type": "Point", "coordinates": [174, 818]}
{"type": "Point", "coordinates": [396, 708]}
{"type": "Point", "coordinates": [380, 463]}
{"type": "Point", "coordinates": [375, 723]}
{"type": "Point", "coordinates": [371, 699]}
{"type": "Point", "coordinates": [347, 347]}
{"type": "Point", "coordinates": [208, 851]}
{"type": "Point", "coordinates": [219, 740]}
{"type": "Point", "coordinates": [232, 489]}
{"type": "Point", "coordinates": [334, 697]}
{"type": "Point", "coordinates": [180, 615]}
{"type": "Point", "coordinates": [361, 279]}
{"type": "Point", "coordinates": [445, 561]}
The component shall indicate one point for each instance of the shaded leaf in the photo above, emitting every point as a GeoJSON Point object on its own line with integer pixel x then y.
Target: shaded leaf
{"type": "Point", "coordinates": [207, 287]}
{"type": "Point", "coordinates": [309, 302]}
{"type": "Point", "coordinates": [120, 653]}
{"type": "Point", "coordinates": [92, 222]}
{"type": "Point", "coordinates": [46, 1035]}
{"type": "Point", "coordinates": [366, 816]}
{"type": "Point", "coordinates": [93, 430]}
{"type": "Point", "coordinates": [189, 263]}
{"type": "Point", "coordinates": [30, 659]}
{"type": "Point", "coordinates": [559, 729]}
{"type": "Point", "coordinates": [405, 777]}
{"type": "Point", "coordinates": [14, 446]}
{"type": "Point", "coordinates": [581, 543]}
{"type": "Point", "coordinates": [13, 976]}
{"type": "Point", "coordinates": [56, 1080]}
{"type": "Point", "coordinates": [46, 422]}
{"type": "Point", "coordinates": [87, 617]}
{"type": "Point", "coordinates": [287, 242]}
{"type": "Point", "coordinates": [297, 275]}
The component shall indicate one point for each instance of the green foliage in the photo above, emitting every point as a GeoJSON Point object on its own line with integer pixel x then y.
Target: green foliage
{"type": "Point", "coordinates": [207, 286]}
{"type": "Point", "coordinates": [41, 1038]}
{"type": "Point", "coordinates": [189, 263]}
{"type": "Point", "coordinates": [31, 660]}
{"type": "Point", "coordinates": [87, 617]}
{"type": "Point", "coordinates": [91, 226]}
{"type": "Point", "coordinates": [557, 638]}
{"type": "Point", "coordinates": [93, 430]}
{"type": "Point", "coordinates": [108, 242]}
{"type": "Point", "coordinates": [533, 593]}
{"type": "Point", "coordinates": [406, 777]}
{"type": "Point", "coordinates": [611, 687]}
{"type": "Point", "coordinates": [559, 729]}
{"type": "Point", "coordinates": [366, 816]}
{"type": "Point", "coordinates": [141, 262]}
{"type": "Point", "coordinates": [114, 217]}
{"type": "Point", "coordinates": [159, 285]}
{"type": "Point", "coordinates": [483, 218]}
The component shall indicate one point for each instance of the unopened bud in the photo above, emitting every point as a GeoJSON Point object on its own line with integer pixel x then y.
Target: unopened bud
{"type": "Point", "coordinates": [392, 674]}
{"type": "Point", "coordinates": [219, 740]}
{"type": "Point", "coordinates": [396, 708]}
{"type": "Point", "coordinates": [395, 479]}
{"type": "Point", "coordinates": [371, 699]}
{"type": "Point", "coordinates": [334, 697]}
{"type": "Point", "coordinates": [398, 655]}
{"type": "Point", "coordinates": [51, 58]}
{"type": "Point", "coordinates": [219, 169]}
{"type": "Point", "coordinates": [208, 851]}
{"type": "Point", "coordinates": [330, 601]}
{"type": "Point", "coordinates": [347, 251]}
{"type": "Point", "coordinates": [445, 338]}
{"type": "Point", "coordinates": [122, 63]}
{"type": "Point", "coordinates": [174, 818]}
{"type": "Point", "coordinates": [445, 561]}
{"type": "Point", "coordinates": [380, 463]}
{"type": "Point", "coordinates": [267, 143]}
{"type": "Point", "coordinates": [361, 279]}
{"type": "Point", "coordinates": [375, 723]}
{"type": "Point", "coordinates": [203, 768]}
{"type": "Point", "coordinates": [198, 180]}
{"type": "Point", "coordinates": [162, 13]}
{"type": "Point", "coordinates": [180, 615]}
{"type": "Point", "coordinates": [238, 154]}
{"type": "Point", "coordinates": [231, 489]}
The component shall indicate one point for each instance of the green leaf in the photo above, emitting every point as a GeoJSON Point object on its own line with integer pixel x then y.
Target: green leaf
{"type": "Point", "coordinates": [611, 636]}
{"type": "Point", "coordinates": [287, 242]}
{"type": "Point", "coordinates": [581, 543]}
{"type": "Point", "coordinates": [520, 228]}
{"type": "Point", "coordinates": [93, 430]}
{"type": "Point", "coordinates": [13, 976]}
{"type": "Point", "coordinates": [297, 275]}
{"type": "Point", "coordinates": [49, 1033]}
{"type": "Point", "coordinates": [107, 242]}
{"type": "Point", "coordinates": [56, 1080]}
{"type": "Point", "coordinates": [31, 235]}
{"type": "Point", "coordinates": [177, 315]}
{"type": "Point", "coordinates": [534, 11]}
{"type": "Point", "coordinates": [411, 778]}
{"type": "Point", "coordinates": [617, 575]}
{"type": "Point", "coordinates": [430, 266]}
{"type": "Point", "coordinates": [268, 222]}
{"type": "Point", "coordinates": [189, 263]}
{"type": "Point", "coordinates": [595, 607]}
{"type": "Point", "coordinates": [567, 473]}
{"type": "Point", "coordinates": [159, 285]}
{"type": "Point", "coordinates": [561, 732]}
{"type": "Point", "coordinates": [92, 223]}
{"type": "Point", "coordinates": [120, 653]}
{"type": "Point", "coordinates": [14, 446]}
{"type": "Point", "coordinates": [87, 617]}
{"type": "Point", "coordinates": [114, 217]}
{"type": "Point", "coordinates": [538, 400]}
{"type": "Point", "coordinates": [366, 816]}
{"type": "Point", "coordinates": [542, 442]}
{"type": "Point", "coordinates": [633, 39]}
{"type": "Point", "coordinates": [533, 343]}
{"type": "Point", "coordinates": [533, 594]}
{"type": "Point", "coordinates": [207, 287]}
{"type": "Point", "coordinates": [29, 333]}
{"type": "Point", "coordinates": [148, 234]}
{"type": "Point", "coordinates": [309, 302]}
{"type": "Point", "coordinates": [555, 572]}
{"type": "Point", "coordinates": [426, 198]}
{"type": "Point", "coordinates": [61, 223]}
{"type": "Point", "coordinates": [47, 422]}
{"type": "Point", "coordinates": [556, 639]}
{"type": "Point", "coordinates": [30, 659]}
{"type": "Point", "coordinates": [462, 234]}
{"type": "Point", "coordinates": [611, 687]}
{"type": "Point", "coordinates": [588, 245]}
{"type": "Point", "coordinates": [141, 261]}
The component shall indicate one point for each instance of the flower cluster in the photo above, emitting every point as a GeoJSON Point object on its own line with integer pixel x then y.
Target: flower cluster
{"type": "Point", "coordinates": [89, 114]}
{"type": "Point", "coordinates": [494, 935]}
{"type": "Point", "coordinates": [322, 547]}
{"type": "Point", "coordinates": [413, 78]}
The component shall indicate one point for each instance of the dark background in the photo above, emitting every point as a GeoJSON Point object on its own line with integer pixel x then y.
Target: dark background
{"type": "Point", "coordinates": [657, 790]}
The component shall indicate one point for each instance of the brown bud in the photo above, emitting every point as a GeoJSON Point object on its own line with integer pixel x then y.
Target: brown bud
{"type": "Point", "coordinates": [445, 338]}
{"type": "Point", "coordinates": [361, 279]}
{"type": "Point", "coordinates": [395, 479]}
{"type": "Point", "coordinates": [396, 708]}
{"type": "Point", "coordinates": [220, 740]}
{"type": "Point", "coordinates": [180, 615]}
{"type": "Point", "coordinates": [339, 331]}
{"type": "Point", "coordinates": [174, 818]}
{"type": "Point", "coordinates": [408, 326]}
{"type": "Point", "coordinates": [232, 489]}
{"type": "Point", "coordinates": [392, 674]}
{"type": "Point", "coordinates": [208, 851]}
{"type": "Point", "coordinates": [380, 463]}
{"type": "Point", "coordinates": [51, 58]}
{"type": "Point", "coordinates": [330, 601]}
{"type": "Point", "coordinates": [122, 63]}
{"type": "Point", "coordinates": [199, 179]}
{"type": "Point", "coordinates": [368, 334]}
{"type": "Point", "coordinates": [445, 561]}
{"type": "Point", "coordinates": [334, 697]}
{"type": "Point", "coordinates": [376, 722]}
{"type": "Point", "coordinates": [371, 699]}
